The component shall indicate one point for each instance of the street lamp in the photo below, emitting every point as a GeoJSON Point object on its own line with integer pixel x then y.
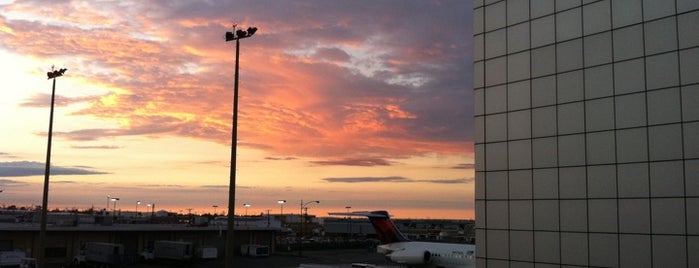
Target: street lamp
{"type": "Point", "coordinates": [230, 36]}
{"type": "Point", "coordinates": [137, 203]}
{"type": "Point", "coordinates": [246, 208]}
{"type": "Point", "coordinates": [281, 209]}
{"type": "Point", "coordinates": [214, 206]}
{"type": "Point", "coordinates": [53, 74]}
{"type": "Point", "coordinates": [304, 215]}
{"type": "Point", "coordinates": [114, 199]}
{"type": "Point", "coordinates": [349, 222]}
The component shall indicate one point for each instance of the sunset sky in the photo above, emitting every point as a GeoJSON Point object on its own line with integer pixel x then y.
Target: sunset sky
{"type": "Point", "coordinates": [361, 103]}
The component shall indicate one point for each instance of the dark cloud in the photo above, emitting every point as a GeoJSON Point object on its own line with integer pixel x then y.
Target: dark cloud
{"type": "Point", "coordinates": [396, 179]}
{"type": "Point", "coordinates": [280, 158]}
{"type": "Point", "coordinates": [104, 147]}
{"type": "Point", "coordinates": [29, 168]}
{"type": "Point", "coordinates": [364, 162]}
{"type": "Point", "coordinates": [6, 182]}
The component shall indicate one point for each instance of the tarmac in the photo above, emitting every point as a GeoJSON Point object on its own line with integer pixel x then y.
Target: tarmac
{"type": "Point", "coordinates": [335, 258]}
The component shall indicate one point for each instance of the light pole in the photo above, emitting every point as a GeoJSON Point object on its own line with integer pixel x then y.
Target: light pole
{"type": "Point", "coordinates": [246, 208]}
{"type": "Point", "coordinates": [114, 199]}
{"type": "Point", "coordinates": [281, 209]}
{"type": "Point", "coordinates": [304, 215]}
{"type": "Point", "coordinates": [214, 206]}
{"type": "Point", "coordinates": [137, 203]}
{"type": "Point", "coordinates": [230, 36]}
{"type": "Point", "coordinates": [349, 222]}
{"type": "Point", "coordinates": [53, 74]}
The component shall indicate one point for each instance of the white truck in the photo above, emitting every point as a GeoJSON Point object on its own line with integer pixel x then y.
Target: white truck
{"type": "Point", "coordinates": [99, 253]}
{"type": "Point", "coordinates": [254, 250]}
{"type": "Point", "coordinates": [169, 250]}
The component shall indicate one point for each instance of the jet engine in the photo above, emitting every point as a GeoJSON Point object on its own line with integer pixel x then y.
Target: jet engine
{"type": "Point", "coordinates": [411, 257]}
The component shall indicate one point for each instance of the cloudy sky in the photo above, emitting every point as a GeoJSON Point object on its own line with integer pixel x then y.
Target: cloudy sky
{"type": "Point", "coordinates": [354, 103]}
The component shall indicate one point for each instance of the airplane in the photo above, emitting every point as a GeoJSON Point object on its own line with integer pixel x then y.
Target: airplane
{"type": "Point", "coordinates": [399, 249]}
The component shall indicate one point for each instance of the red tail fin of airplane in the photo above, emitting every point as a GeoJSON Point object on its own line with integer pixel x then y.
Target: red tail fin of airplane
{"type": "Point", "coordinates": [386, 230]}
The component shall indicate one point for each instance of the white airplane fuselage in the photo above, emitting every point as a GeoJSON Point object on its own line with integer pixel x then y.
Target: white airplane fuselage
{"type": "Point", "coordinates": [429, 254]}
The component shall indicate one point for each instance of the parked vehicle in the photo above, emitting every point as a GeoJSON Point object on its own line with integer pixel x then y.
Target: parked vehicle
{"type": "Point", "coordinates": [169, 250]}
{"type": "Point", "coordinates": [253, 250]}
{"type": "Point", "coordinates": [207, 253]}
{"type": "Point", "coordinates": [99, 253]}
{"type": "Point", "coordinates": [11, 258]}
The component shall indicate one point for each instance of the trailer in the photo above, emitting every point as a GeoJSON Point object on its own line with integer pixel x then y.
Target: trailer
{"type": "Point", "coordinates": [169, 250]}
{"type": "Point", "coordinates": [11, 258]}
{"type": "Point", "coordinates": [254, 250]}
{"type": "Point", "coordinates": [102, 254]}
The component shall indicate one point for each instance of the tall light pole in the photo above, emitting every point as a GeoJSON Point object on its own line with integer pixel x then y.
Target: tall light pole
{"type": "Point", "coordinates": [281, 211]}
{"type": "Point", "coordinates": [137, 203]}
{"type": "Point", "coordinates": [53, 74]}
{"type": "Point", "coordinates": [349, 223]}
{"type": "Point", "coordinates": [304, 215]}
{"type": "Point", "coordinates": [214, 206]}
{"type": "Point", "coordinates": [230, 242]}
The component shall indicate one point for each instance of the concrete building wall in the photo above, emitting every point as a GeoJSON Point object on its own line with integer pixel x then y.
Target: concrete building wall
{"type": "Point", "coordinates": [587, 133]}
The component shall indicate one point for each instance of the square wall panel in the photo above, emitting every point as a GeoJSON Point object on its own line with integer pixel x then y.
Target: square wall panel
{"type": "Point", "coordinates": [480, 215]}
{"type": "Point", "coordinates": [521, 215]}
{"type": "Point", "coordinates": [691, 169]}
{"type": "Point", "coordinates": [598, 49]}
{"type": "Point", "coordinates": [688, 27]}
{"type": "Point", "coordinates": [478, 102]}
{"type": "Point", "coordinates": [479, 122]}
{"type": "Point", "coordinates": [634, 216]}
{"type": "Point", "coordinates": [518, 37]}
{"type": "Point", "coordinates": [478, 20]}
{"type": "Point", "coordinates": [693, 216]}
{"type": "Point", "coordinates": [543, 61]}
{"type": "Point", "coordinates": [635, 250]}
{"type": "Point", "coordinates": [480, 185]}
{"type": "Point", "coordinates": [495, 99]}
{"type": "Point", "coordinates": [519, 95]}
{"type": "Point", "coordinates": [518, 66]}
{"type": "Point", "coordinates": [629, 76]}
{"type": "Point", "coordinates": [478, 74]}
{"type": "Point", "coordinates": [496, 156]}
{"type": "Point", "coordinates": [664, 106]}
{"type": "Point", "coordinates": [541, 7]}
{"type": "Point", "coordinates": [495, 16]}
{"type": "Point", "coordinates": [571, 118]}
{"type": "Point", "coordinates": [602, 215]}
{"type": "Point", "coordinates": [574, 216]}
{"type": "Point", "coordinates": [628, 42]}
{"type": "Point", "coordinates": [599, 82]}
{"type": "Point", "coordinates": [571, 150]}
{"type": "Point", "coordinates": [545, 183]}
{"type": "Point", "coordinates": [519, 154]}
{"type": "Point", "coordinates": [566, 4]}
{"type": "Point", "coordinates": [604, 249]}
{"type": "Point", "coordinates": [570, 86]}
{"type": "Point", "coordinates": [667, 215]}
{"type": "Point", "coordinates": [545, 152]}
{"type": "Point", "coordinates": [687, 5]}
{"type": "Point", "coordinates": [569, 55]}
{"type": "Point", "coordinates": [665, 142]}
{"type": "Point", "coordinates": [689, 66]}
{"type": "Point", "coordinates": [599, 114]}
{"type": "Point", "coordinates": [479, 152]}
{"type": "Point", "coordinates": [667, 179]}
{"type": "Point", "coordinates": [630, 110]}
{"type": "Point", "coordinates": [478, 47]}
{"type": "Point", "coordinates": [669, 251]}
{"type": "Point", "coordinates": [544, 121]}
{"type": "Point", "coordinates": [519, 125]}
{"type": "Point", "coordinates": [544, 91]}
{"type": "Point", "coordinates": [496, 215]}
{"type": "Point", "coordinates": [597, 17]}
{"type": "Point", "coordinates": [569, 24]}
{"type": "Point", "coordinates": [572, 182]}
{"type": "Point", "coordinates": [497, 244]}
{"type": "Point", "coordinates": [520, 184]}
{"type": "Point", "coordinates": [547, 247]}
{"type": "Point", "coordinates": [543, 31]}
{"type": "Point", "coordinates": [691, 140]}
{"type": "Point", "coordinates": [496, 43]}
{"type": "Point", "coordinates": [600, 148]}
{"type": "Point", "coordinates": [495, 71]}
{"type": "Point", "coordinates": [521, 245]}
{"type": "Point", "coordinates": [662, 71]}
{"type": "Point", "coordinates": [626, 12]}
{"type": "Point", "coordinates": [574, 248]}
{"type": "Point", "coordinates": [660, 36]}
{"type": "Point", "coordinates": [546, 215]}
{"type": "Point", "coordinates": [653, 9]}
{"type": "Point", "coordinates": [633, 180]}
{"type": "Point", "coordinates": [631, 145]}
{"type": "Point", "coordinates": [496, 185]}
{"type": "Point", "coordinates": [517, 11]}
{"type": "Point", "coordinates": [690, 102]}
{"type": "Point", "coordinates": [495, 127]}
{"type": "Point", "coordinates": [601, 181]}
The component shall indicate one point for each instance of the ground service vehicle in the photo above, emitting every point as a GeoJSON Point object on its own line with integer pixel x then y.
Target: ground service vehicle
{"type": "Point", "coordinates": [101, 254]}
{"type": "Point", "coordinates": [169, 250]}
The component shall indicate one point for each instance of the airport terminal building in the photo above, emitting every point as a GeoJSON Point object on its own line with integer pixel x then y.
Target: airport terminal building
{"type": "Point", "coordinates": [587, 133]}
